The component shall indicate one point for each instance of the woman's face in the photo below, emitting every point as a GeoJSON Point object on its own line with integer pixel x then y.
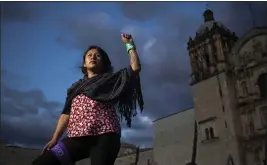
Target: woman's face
{"type": "Point", "coordinates": [93, 61]}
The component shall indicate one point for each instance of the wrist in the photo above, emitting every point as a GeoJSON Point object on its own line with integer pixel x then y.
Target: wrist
{"type": "Point", "coordinates": [130, 46]}
{"type": "Point", "coordinates": [132, 51]}
{"type": "Point", "coordinates": [55, 137]}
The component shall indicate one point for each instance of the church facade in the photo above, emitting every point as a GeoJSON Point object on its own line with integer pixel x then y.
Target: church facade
{"type": "Point", "coordinates": [229, 84]}
{"type": "Point", "coordinates": [228, 123]}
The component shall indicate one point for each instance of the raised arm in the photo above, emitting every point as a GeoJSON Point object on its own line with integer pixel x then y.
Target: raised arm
{"type": "Point", "coordinates": [131, 49]}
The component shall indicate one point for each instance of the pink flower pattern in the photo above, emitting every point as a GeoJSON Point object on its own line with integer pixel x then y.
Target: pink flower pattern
{"type": "Point", "coordinates": [90, 117]}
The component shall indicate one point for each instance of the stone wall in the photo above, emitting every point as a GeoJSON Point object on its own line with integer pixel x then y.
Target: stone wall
{"type": "Point", "coordinates": [251, 63]}
{"type": "Point", "coordinates": [215, 110]}
{"type": "Point", "coordinates": [173, 138]}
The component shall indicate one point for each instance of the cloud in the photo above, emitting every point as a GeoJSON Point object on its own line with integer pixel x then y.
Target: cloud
{"type": "Point", "coordinates": [239, 16]}
{"type": "Point", "coordinates": [32, 131]}
{"type": "Point", "coordinates": [141, 133]}
{"type": "Point", "coordinates": [27, 118]}
{"type": "Point", "coordinates": [19, 12]}
{"type": "Point", "coordinates": [143, 11]}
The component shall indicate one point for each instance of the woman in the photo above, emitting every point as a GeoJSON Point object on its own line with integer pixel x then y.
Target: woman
{"type": "Point", "coordinates": [90, 114]}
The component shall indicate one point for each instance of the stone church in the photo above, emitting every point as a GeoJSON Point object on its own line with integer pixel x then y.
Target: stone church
{"type": "Point", "coordinates": [228, 123]}
{"type": "Point", "coordinates": [229, 84]}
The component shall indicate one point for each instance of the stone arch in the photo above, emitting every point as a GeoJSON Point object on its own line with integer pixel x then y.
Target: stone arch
{"type": "Point", "coordinates": [251, 34]}
{"type": "Point", "coordinates": [256, 76]}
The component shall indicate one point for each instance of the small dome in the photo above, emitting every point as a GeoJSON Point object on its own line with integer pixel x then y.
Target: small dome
{"type": "Point", "coordinates": [209, 25]}
{"type": "Point", "coordinates": [208, 15]}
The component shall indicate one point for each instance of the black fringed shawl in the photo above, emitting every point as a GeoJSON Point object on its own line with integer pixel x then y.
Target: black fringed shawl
{"type": "Point", "coordinates": [123, 88]}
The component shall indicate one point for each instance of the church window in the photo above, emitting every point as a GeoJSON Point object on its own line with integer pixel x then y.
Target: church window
{"type": "Point", "coordinates": [220, 91]}
{"type": "Point", "coordinates": [225, 123]}
{"type": "Point", "coordinates": [207, 134]}
{"type": "Point", "coordinates": [262, 82]}
{"type": "Point", "coordinates": [212, 133]}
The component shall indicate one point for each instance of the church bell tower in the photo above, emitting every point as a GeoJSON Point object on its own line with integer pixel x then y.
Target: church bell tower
{"type": "Point", "coordinates": [213, 91]}
{"type": "Point", "coordinates": [209, 49]}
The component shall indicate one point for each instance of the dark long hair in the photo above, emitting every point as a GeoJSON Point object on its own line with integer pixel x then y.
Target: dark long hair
{"type": "Point", "coordinates": [107, 67]}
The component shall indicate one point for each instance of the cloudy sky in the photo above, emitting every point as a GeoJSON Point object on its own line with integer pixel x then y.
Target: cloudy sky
{"type": "Point", "coordinates": [42, 45]}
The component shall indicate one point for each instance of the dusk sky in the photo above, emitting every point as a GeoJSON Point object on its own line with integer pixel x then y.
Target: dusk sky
{"type": "Point", "coordinates": [42, 45]}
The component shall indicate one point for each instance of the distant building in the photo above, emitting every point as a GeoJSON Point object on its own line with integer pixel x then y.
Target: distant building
{"type": "Point", "coordinates": [228, 124]}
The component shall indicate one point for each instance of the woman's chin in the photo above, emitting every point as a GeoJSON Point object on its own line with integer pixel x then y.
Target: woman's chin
{"type": "Point", "coordinates": [93, 68]}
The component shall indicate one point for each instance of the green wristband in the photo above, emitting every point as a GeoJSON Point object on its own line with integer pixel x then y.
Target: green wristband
{"type": "Point", "coordinates": [129, 46]}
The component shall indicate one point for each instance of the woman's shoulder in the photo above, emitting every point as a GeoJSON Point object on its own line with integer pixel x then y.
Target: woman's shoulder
{"type": "Point", "coordinates": [76, 82]}
{"type": "Point", "coordinates": [73, 85]}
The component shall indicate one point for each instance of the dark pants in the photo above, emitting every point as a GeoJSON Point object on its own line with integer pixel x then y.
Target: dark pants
{"type": "Point", "coordinates": [102, 150]}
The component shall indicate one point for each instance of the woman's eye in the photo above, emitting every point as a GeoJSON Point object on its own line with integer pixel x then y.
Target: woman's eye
{"type": "Point", "coordinates": [95, 55]}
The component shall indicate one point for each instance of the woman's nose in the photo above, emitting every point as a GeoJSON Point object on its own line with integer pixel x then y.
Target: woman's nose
{"type": "Point", "coordinates": [93, 57]}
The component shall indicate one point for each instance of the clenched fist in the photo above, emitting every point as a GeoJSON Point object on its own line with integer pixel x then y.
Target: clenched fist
{"type": "Point", "coordinates": [126, 38]}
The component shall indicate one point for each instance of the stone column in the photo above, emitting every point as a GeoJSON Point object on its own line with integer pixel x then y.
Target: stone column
{"type": "Point", "coordinates": [219, 51]}
{"type": "Point", "coordinates": [211, 58]}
